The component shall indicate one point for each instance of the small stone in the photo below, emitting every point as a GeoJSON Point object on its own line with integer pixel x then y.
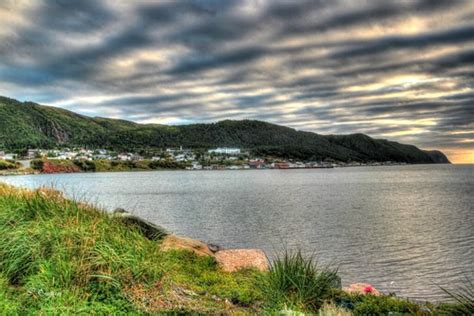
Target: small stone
{"type": "Point", "coordinates": [120, 211]}
{"type": "Point", "coordinates": [214, 248]}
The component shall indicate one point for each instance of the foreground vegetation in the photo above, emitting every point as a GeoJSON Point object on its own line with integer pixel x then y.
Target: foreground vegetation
{"type": "Point", "coordinates": [59, 256]}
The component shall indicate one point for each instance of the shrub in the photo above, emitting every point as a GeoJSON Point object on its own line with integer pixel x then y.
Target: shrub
{"type": "Point", "coordinates": [166, 164]}
{"type": "Point", "coordinates": [37, 164]}
{"type": "Point", "coordinates": [85, 165]}
{"type": "Point", "coordinates": [298, 281]}
{"type": "Point", "coordinates": [4, 165]}
{"type": "Point", "coordinates": [142, 165]}
{"type": "Point", "coordinates": [384, 305]}
{"type": "Point", "coordinates": [370, 304]}
{"type": "Point", "coordinates": [329, 309]}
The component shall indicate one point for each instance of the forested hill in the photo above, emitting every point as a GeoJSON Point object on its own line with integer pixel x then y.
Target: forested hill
{"type": "Point", "coordinates": [29, 125]}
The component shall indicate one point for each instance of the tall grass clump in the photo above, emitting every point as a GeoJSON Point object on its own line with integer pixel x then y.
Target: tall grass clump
{"type": "Point", "coordinates": [463, 299]}
{"type": "Point", "coordinates": [299, 282]}
{"type": "Point", "coordinates": [55, 249]}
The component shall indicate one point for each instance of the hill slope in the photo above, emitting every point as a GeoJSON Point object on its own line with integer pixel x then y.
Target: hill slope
{"type": "Point", "coordinates": [29, 125]}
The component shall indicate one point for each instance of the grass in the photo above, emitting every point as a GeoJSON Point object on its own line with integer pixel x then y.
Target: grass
{"type": "Point", "coordinates": [330, 309]}
{"type": "Point", "coordinates": [463, 299]}
{"type": "Point", "coordinates": [298, 281]}
{"type": "Point", "coordinates": [59, 256]}
{"type": "Point", "coordinates": [63, 257]}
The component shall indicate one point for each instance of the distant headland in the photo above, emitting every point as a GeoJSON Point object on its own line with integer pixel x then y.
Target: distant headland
{"type": "Point", "coordinates": [27, 125]}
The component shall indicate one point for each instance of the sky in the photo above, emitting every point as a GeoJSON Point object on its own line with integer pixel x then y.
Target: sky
{"type": "Point", "coordinates": [400, 70]}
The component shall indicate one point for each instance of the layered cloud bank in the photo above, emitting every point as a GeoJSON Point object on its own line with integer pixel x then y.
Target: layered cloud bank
{"type": "Point", "coordinates": [401, 70]}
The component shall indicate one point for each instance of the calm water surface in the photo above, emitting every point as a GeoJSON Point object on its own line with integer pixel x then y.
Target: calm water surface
{"type": "Point", "coordinates": [405, 229]}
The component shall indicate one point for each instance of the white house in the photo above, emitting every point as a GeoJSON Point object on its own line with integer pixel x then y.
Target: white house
{"type": "Point", "coordinates": [31, 153]}
{"type": "Point", "coordinates": [225, 150]}
{"type": "Point", "coordinates": [124, 157]}
{"type": "Point", "coordinates": [196, 166]}
{"type": "Point", "coordinates": [9, 156]}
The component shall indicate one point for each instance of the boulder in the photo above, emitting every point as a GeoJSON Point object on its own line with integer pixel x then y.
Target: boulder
{"type": "Point", "coordinates": [148, 229]}
{"type": "Point", "coordinates": [362, 288]}
{"type": "Point", "coordinates": [176, 242]}
{"type": "Point", "coordinates": [235, 259]}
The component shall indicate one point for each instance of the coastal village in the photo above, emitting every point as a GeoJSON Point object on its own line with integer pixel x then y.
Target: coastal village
{"type": "Point", "coordinates": [222, 158]}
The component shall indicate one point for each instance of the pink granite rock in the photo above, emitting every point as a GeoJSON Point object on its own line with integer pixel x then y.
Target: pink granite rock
{"type": "Point", "coordinates": [362, 288]}
{"type": "Point", "coordinates": [235, 259]}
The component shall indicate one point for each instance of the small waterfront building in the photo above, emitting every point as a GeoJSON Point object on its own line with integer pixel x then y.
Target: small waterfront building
{"type": "Point", "coordinates": [256, 164]}
{"type": "Point", "coordinates": [225, 150]}
{"type": "Point", "coordinates": [281, 165]}
{"type": "Point", "coordinates": [9, 156]}
{"type": "Point", "coordinates": [174, 150]}
{"type": "Point", "coordinates": [124, 157]}
{"type": "Point", "coordinates": [31, 153]}
{"type": "Point", "coordinates": [101, 157]}
{"type": "Point", "coordinates": [180, 157]}
{"type": "Point", "coordinates": [196, 166]}
{"type": "Point", "coordinates": [136, 157]}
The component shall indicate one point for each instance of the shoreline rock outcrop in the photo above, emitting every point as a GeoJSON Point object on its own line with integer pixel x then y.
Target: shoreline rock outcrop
{"type": "Point", "coordinates": [148, 229]}
{"type": "Point", "coordinates": [235, 259]}
{"type": "Point", "coordinates": [200, 248]}
{"type": "Point", "coordinates": [230, 260]}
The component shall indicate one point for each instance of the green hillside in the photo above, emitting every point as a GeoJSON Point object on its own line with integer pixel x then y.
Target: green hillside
{"type": "Point", "coordinates": [29, 125]}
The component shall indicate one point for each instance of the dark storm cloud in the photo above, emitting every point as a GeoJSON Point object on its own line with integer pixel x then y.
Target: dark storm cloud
{"type": "Point", "coordinates": [449, 37]}
{"type": "Point", "coordinates": [207, 62]}
{"type": "Point", "coordinates": [402, 70]}
{"type": "Point", "coordinates": [50, 21]}
{"type": "Point", "coordinates": [73, 16]}
{"type": "Point", "coordinates": [372, 12]}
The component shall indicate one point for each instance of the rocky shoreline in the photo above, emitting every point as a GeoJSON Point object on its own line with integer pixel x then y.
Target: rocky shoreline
{"type": "Point", "coordinates": [230, 260]}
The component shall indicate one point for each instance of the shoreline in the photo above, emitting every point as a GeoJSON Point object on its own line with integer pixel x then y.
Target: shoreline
{"type": "Point", "coordinates": [169, 273]}
{"type": "Point", "coordinates": [23, 172]}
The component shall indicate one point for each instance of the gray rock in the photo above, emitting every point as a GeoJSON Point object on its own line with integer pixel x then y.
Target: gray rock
{"type": "Point", "coordinates": [148, 229]}
{"type": "Point", "coordinates": [120, 211]}
{"type": "Point", "coordinates": [214, 248]}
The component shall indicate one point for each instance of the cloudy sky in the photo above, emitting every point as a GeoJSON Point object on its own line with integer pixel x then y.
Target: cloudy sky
{"type": "Point", "coordinates": [401, 70]}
